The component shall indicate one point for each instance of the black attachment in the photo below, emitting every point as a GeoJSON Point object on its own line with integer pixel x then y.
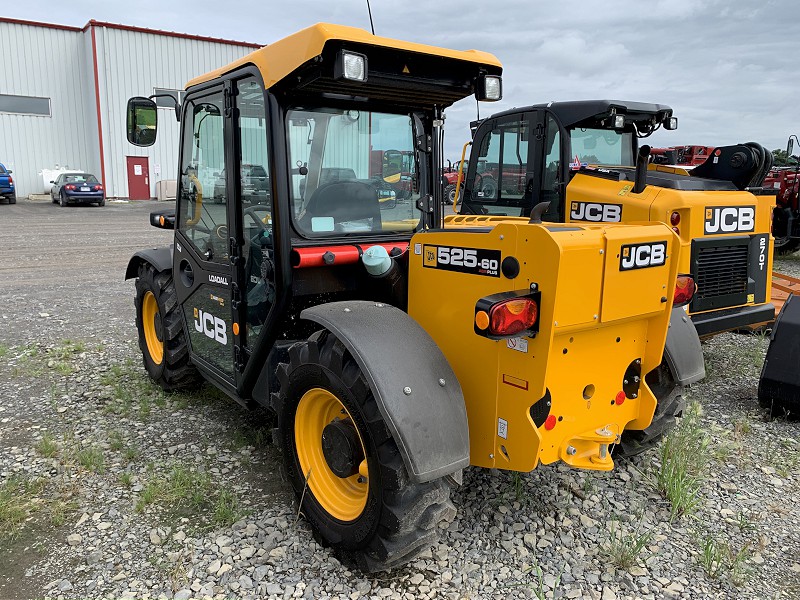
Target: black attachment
{"type": "Point", "coordinates": [541, 409]}
{"type": "Point", "coordinates": [642, 160]}
{"type": "Point", "coordinates": [779, 385]}
{"type": "Point", "coordinates": [744, 165]}
{"type": "Point", "coordinates": [632, 379]}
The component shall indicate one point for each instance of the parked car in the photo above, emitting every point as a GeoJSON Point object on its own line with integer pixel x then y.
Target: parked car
{"type": "Point", "coordinates": [77, 188]}
{"type": "Point", "coordinates": [7, 189]}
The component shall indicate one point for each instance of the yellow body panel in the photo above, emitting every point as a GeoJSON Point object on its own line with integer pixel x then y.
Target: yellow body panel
{"type": "Point", "coordinates": [280, 58]}
{"type": "Point", "coordinates": [580, 354]}
{"type": "Point", "coordinates": [656, 204]}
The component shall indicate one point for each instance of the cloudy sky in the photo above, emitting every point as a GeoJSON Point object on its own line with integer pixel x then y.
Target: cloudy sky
{"type": "Point", "coordinates": [728, 68]}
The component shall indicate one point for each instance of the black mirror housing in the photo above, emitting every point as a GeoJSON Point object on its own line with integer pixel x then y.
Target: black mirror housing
{"type": "Point", "coordinates": [142, 121]}
{"type": "Point", "coordinates": [163, 219]}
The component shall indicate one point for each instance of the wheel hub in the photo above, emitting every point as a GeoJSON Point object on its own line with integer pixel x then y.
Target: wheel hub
{"type": "Point", "coordinates": [341, 448]}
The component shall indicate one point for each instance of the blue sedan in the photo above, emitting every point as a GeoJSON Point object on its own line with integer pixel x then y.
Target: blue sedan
{"type": "Point", "coordinates": [77, 188]}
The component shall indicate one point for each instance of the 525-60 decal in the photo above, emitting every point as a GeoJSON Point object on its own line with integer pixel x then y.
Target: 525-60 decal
{"type": "Point", "coordinates": [463, 260]}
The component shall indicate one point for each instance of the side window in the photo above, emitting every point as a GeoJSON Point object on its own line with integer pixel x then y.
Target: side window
{"type": "Point", "coordinates": [256, 204]}
{"type": "Point", "coordinates": [202, 195]}
{"type": "Point", "coordinates": [502, 166]}
{"type": "Point", "coordinates": [551, 169]}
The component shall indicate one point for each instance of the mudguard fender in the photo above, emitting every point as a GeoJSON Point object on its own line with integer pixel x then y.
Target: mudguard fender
{"type": "Point", "coordinates": [683, 352]}
{"type": "Point", "coordinates": [160, 258]}
{"type": "Point", "coordinates": [414, 386]}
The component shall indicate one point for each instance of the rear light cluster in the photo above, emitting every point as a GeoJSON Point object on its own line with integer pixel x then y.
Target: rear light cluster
{"type": "Point", "coordinates": [69, 186]}
{"type": "Point", "coordinates": [508, 314]}
{"type": "Point", "coordinates": [98, 188]}
{"type": "Point", "coordinates": [675, 219]}
{"type": "Point", "coordinates": [685, 288]}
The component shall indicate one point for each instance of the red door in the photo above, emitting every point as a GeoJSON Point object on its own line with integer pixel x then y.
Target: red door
{"type": "Point", "coordinates": [138, 178]}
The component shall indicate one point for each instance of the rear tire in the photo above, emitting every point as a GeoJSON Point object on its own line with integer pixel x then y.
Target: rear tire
{"type": "Point", "coordinates": [391, 520]}
{"type": "Point", "coordinates": [669, 396]}
{"type": "Point", "coordinates": [165, 350]}
{"type": "Point", "coordinates": [450, 194]}
{"type": "Point", "coordinates": [102, 202]}
{"type": "Point", "coordinates": [786, 245]}
{"type": "Point", "coordinates": [62, 199]}
{"type": "Point", "coordinates": [12, 199]}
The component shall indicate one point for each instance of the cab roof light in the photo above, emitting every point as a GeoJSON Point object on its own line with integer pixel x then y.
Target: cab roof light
{"type": "Point", "coordinates": [685, 287]}
{"type": "Point", "coordinates": [671, 123]}
{"type": "Point", "coordinates": [350, 65]}
{"type": "Point", "coordinates": [489, 88]}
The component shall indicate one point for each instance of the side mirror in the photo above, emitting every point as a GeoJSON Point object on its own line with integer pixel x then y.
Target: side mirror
{"type": "Point", "coordinates": [9, 171]}
{"type": "Point", "coordinates": [163, 219]}
{"type": "Point", "coordinates": [789, 147]}
{"type": "Point", "coordinates": [51, 181]}
{"type": "Point", "coordinates": [142, 121]}
{"type": "Point", "coordinates": [392, 167]}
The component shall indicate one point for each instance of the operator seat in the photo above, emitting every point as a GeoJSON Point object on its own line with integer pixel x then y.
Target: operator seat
{"type": "Point", "coordinates": [353, 205]}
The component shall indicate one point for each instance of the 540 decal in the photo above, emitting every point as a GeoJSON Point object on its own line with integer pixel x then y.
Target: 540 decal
{"type": "Point", "coordinates": [463, 260]}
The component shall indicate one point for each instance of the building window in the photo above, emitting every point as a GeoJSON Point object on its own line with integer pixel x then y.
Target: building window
{"type": "Point", "coordinates": [25, 105]}
{"type": "Point", "coordinates": [166, 102]}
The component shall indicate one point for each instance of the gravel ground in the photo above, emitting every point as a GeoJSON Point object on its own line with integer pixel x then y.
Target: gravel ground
{"type": "Point", "coordinates": [112, 489]}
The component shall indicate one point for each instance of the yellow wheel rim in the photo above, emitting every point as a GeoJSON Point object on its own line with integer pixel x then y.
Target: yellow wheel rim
{"type": "Point", "coordinates": [342, 498]}
{"type": "Point", "coordinates": [155, 347]}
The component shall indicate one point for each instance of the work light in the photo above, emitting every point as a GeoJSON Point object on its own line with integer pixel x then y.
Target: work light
{"type": "Point", "coordinates": [489, 88]}
{"type": "Point", "coordinates": [350, 65]}
{"type": "Point", "coordinates": [619, 121]}
{"type": "Point", "coordinates": [671, 123]}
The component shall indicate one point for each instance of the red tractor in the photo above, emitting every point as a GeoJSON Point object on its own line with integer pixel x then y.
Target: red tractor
{"type": "Point", "coordinates": [684, 156]}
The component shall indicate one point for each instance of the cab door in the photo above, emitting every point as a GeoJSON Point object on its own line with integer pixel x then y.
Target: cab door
{"type": "Point", "coordinates": [202, 269]}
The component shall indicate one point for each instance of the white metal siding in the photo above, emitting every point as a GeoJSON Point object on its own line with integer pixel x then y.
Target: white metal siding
{"type": "Point", "coordinates": [133, 64]}
{"type": "Point", "coordinates": [49, 63]}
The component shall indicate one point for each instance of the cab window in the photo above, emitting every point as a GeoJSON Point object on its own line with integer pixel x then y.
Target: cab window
{"type": "Point", "coordinates": [601, 147]}
{"type": "Point", "coordinates": [352, 172]}
{"type": "Point", "coordinates": [202, 196]}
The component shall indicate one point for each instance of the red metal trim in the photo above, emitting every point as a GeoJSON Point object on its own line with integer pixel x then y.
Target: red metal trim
{"type": "Point", "coordinates": [38, 24]}
{"type": "Point", "coordinates": [303, 258]}
{"type": "Point", "coordinates": [92, 22]}
{"type": "Point", "coordinates": [97, 108]}
{"type": "Point", "coordinates": [185, 36]}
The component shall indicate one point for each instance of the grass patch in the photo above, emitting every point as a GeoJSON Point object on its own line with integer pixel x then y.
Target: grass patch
{"type": "Point", "coordinates": [91, 459]}
{"type": "Point", "coordinates": [684, 459]}
{"type": "Point", "coordinates": [47, 446]}
{"type": "Point", "coordinates": [718, 558]}
{"type": "Point", "coordinates": [4, 350]}
{"type": "Point", "coordinates": [126, 479]}
{"type": "Point", "coordinates": [624, 547]}
{"type": "Point", "coordinates": [185, 491]}
{"type": "Point", "coordinates": [18, 500]}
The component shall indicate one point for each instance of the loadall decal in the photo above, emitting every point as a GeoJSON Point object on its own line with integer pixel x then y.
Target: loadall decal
{"type": "Point", "coordinates": [463, 260]}
{"type": "Point", "coordinates": [730, 219]}
{"type": "Point", "coordinates": [595, 212]}
{"type": "Point", "coordinates": [213, 327]}
{"type": "Point", "coordinates": [641, 256]}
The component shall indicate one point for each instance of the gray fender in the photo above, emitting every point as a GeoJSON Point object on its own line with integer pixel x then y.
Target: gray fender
{"type": "Point", "coordinates": [683, 352]}
{"type": "Point", "coordinates": [417, 392]}
{"type": "Point", "coordinates": [160, 258]}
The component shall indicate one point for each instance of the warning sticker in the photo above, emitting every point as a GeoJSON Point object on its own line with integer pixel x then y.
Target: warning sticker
{"type": "Point", "coordinates": [502, 428]}
{"type": "Point", "coordinates": [519, 344]}
{"type": "Point", "coordinates": [463, 260]}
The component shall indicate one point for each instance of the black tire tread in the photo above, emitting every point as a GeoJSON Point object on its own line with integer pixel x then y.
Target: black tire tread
{"type": "Point", "coordinates": [176, 371]}
{"type": "Point", "coordinates": [409, 512]}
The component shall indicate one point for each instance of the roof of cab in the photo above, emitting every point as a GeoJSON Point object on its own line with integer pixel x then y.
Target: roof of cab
{"type": "Point", "coordinates": [280, 58]}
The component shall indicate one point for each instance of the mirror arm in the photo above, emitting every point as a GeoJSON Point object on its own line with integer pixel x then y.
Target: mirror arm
{"type": "Point", "coordinates": [177, 105]}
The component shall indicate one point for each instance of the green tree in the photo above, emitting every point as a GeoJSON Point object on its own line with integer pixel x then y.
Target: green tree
{"type": "Point", "coordinates": [782, 159]}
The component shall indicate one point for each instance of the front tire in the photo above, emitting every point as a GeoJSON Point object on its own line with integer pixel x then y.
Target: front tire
{"type": "Point", "coordinates": [370, 512]}
{"type": "Point", "coordinates": [165, 349]}
{"type": "Point", "coordinates": [450, 194]}
{"type": "Point", "coordinates": [669, 396]}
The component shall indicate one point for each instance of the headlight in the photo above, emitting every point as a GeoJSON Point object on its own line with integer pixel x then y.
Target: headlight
{"type": "Point", "coordinates": [671, 123]}
{"type": "Point", "coordinates": [618, 121]}
{"type": "Point", "coordinates": [351, 65]}
{"type": "Point", "coordinates": [489, 88]}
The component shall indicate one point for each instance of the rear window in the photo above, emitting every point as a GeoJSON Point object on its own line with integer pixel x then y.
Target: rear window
{"type": "Point", "coordinates": [80, 178]}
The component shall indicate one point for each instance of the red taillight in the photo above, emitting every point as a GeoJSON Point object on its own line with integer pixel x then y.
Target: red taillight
{"type": "Point", "coordinates": [684, 290]}
{"type": "Point", "coordinates": [675, 218]}
{"type": "Point", "coordinates": [69, 186]}
{"type": "Point", "coordinates": [513, 316]}
{"type": "Point", "coordinates": [98, 188]}
{"type": "Point", "coordinates": [10, 180]}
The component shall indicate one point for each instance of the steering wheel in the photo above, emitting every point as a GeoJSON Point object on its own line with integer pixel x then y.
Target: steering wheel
{"type": "Point", "coordinates": [263, 221]}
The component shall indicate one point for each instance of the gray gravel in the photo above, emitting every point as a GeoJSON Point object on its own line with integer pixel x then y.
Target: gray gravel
{"type": "Point", "coordinates": [106, 450]}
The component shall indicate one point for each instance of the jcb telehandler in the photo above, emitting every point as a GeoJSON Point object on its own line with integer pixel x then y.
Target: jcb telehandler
{"type": "Point", "coordinates": [582, 162]}
{"type": "Point", "coordinates": [394, 353]}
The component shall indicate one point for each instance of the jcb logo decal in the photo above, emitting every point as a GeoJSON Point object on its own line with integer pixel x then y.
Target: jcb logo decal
{"type": "Point", "coordinates": [640, 256]}
{"type": "Point", "coordinates": [211, 326]}
{"type": "Point", "coordinates": [595, 212]}
{"type": "Point", "coordinates": [730, 219]}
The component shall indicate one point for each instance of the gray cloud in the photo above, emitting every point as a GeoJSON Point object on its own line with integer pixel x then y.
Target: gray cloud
{"type": "Point", "coordinates": [727, 68]}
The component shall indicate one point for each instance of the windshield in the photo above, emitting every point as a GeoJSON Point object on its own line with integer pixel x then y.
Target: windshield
{"type": "Point", "coordinates": [601, 147]}
{"type": "Point", "coordinates": [352, 172]}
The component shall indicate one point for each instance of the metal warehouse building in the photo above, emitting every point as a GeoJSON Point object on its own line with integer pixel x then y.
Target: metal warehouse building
{"type": "Point", "coordinates": [63, 94]}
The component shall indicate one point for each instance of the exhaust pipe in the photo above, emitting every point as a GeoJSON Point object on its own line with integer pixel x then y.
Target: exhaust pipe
{"type": "Point", "coordinates": [642, 159]}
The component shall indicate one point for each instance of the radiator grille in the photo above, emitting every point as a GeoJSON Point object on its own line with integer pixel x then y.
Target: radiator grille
{"type": "Point", "coordinates": [721, 271]}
